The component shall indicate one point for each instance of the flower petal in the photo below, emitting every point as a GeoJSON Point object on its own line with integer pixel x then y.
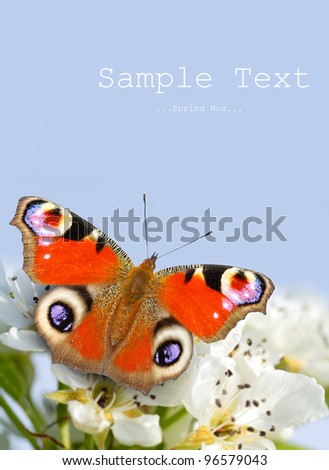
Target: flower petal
{"type": "Point", "coordinates": [224, 347]}
{"type": "Point", "coordinates": [144, 430]}
{"type": "Point", "coordinates": [23, 340]}
{"type": "Point", "coordinates": [301, 333]}
{"type": "Point", "coordinates": [281, 399]}
{"type": "Point", "coordinates": [18, 297]}
{"type": "Point", "coordinates": [207, 378]}
{"type": "Point", "coordinates": [72, 378]}
{"type": "Point", "coordinates": [170, 393]}
{"type": "Point", "coordinates": [10, 314]}
{"type": "Point", "coordinates": [87, 417]}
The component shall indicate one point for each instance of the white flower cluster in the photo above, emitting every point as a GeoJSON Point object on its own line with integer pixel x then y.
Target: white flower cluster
{"type": "Point", "coordinates": [18, 297]}
{"type": "Point", "coordinates": [96, 405]}
{"type": "Point", "coordinates": [234, 389]}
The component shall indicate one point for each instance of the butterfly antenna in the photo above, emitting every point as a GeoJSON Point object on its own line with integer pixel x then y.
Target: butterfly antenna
{"type": "Point", "coordinates": [186, 244]}
{"type": "Point", "coordinates": [145, 226]}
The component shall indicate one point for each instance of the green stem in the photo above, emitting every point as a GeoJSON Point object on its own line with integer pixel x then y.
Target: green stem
{"type": "Point", "coordinates": [89, 442]}
{"type": "Point", "coordinates": [64, 425]}
{"type": "Point", "coordinates": [63, 421]}
{"type": "Point", "coordinates": [109, 441]}
{"type": "Point", "coordinates": [17, 423]}
{"type": "Point", "coordinates": [34, 414]}
{"type": "Point", "coordinates": [173, 418]}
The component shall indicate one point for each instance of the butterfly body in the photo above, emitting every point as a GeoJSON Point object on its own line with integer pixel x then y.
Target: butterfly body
{"type": "Point", "coordinates": [108, 317]}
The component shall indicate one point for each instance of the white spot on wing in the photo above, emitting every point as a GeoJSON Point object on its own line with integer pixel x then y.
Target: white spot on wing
{"type": "Point", "coordinates": [226, 305]}
{"type": "Point", "coordinates": [94, 235]}
{"type": "Point", "coordinates": [198, 272]}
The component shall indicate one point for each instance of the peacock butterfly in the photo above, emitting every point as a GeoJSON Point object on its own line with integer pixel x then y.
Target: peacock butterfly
{"type": "Point", "coordinates": [108, 317]}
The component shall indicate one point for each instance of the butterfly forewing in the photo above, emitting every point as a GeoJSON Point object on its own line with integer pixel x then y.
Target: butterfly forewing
{"type": "Point", "coordinates": [210, 299]}
{"type": "Point", "coordinates": [62, 248]}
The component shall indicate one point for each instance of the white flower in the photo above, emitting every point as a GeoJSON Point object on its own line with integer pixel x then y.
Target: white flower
{"type": "Point", "coordinates": [300, 333]}
{"type": "Point", "coordinates": [97, 405]}
{"type": "Point", "coordinates": [88, 417]}
{"type": "Point", "coordinates": [18, 297]}
{"type": "Point", "coordinates": [234, 414]}
{"type": "Point", "coordinates": [294, 334]}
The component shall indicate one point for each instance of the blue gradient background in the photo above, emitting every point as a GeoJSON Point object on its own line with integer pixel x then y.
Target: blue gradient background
{"type": "Point", "coordinates": [96, 150]}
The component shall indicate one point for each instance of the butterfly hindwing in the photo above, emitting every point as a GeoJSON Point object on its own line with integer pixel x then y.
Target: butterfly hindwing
{"type": "Point", "coordinates": [74, 321]}
{"type": "Point", "coordinates": [62, 248]}
{"type": "Point", "coordinates": [157, 348]}
{"type": "Point", "coordinates": [210, 299]}
{"type": "Point", "coordinates": [79, 325]}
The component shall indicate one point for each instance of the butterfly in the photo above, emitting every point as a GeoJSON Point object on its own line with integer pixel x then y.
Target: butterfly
{"type": "Point", "coordinates": [108, 317]}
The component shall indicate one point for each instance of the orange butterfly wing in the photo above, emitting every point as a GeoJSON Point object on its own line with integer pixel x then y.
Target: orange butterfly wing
{"type": "Point", "coordinates": [62, 248]}
{"type": "Point", "coordinates": [210, 299]}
